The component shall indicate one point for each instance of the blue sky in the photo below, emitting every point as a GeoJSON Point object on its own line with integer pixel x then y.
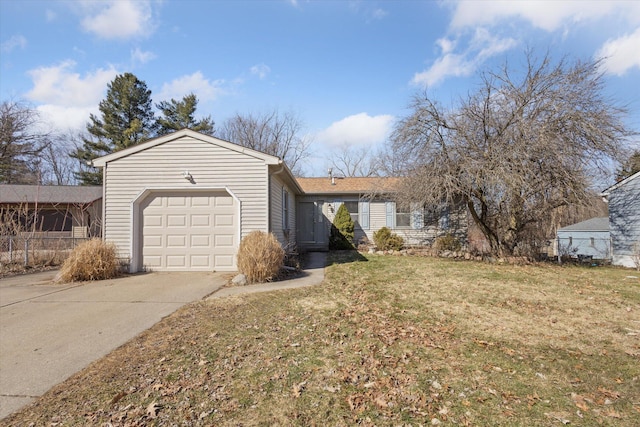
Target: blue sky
{"type": "Point", "coordinates": [348, 69]}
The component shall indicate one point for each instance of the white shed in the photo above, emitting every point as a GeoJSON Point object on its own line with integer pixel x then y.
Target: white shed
{"type": "Point", "coordinates": [590, 238]}
{"type": "Point", "coordinates": [183, 201]}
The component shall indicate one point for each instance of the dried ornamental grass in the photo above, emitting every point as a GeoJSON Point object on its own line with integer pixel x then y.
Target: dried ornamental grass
{"type": "Point", "coordinates": [91, 260]}
{"type": "Point", "coordinates": [260, 256]}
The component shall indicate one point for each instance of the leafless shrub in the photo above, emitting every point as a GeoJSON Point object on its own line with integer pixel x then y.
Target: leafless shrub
{"type": "Point", "coordinates": [92, 260]}
{"type": "Point", "coordinates": [260, 256]}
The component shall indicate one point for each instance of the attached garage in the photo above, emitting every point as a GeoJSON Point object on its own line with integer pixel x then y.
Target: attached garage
{"type": "Point", "coordinates": [188, 230]}
{"type": "Point", "coordinates": [182, 202]}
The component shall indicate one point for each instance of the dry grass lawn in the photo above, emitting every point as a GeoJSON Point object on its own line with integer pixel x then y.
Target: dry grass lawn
{"type": "Point", "coordinates": [384, 341]}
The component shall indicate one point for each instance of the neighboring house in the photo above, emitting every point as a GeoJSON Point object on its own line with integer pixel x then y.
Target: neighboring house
{"type": "Point", "coordinates": [370, 201]}
{"type": "Point", "coordinates": [183, 201]}
{"type": "Point", "coordinates": [590, 238]}
{"type": "Point", "coordinates": [61, 211]}
{"type": "Point", "coordinates": [624, 220]}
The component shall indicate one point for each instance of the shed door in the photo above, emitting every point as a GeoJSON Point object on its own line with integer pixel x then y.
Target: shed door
{"type": "Point", "coordinates": [184, 231]}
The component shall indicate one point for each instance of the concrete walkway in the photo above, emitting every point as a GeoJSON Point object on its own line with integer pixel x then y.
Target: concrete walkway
{"type": "Point", "coordinates": [48, 332]}
{"type": "Point", "coordinates": [312, 274]}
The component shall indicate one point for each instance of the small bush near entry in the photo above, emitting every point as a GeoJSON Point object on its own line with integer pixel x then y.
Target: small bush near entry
{"type": "Point", "coordinates": [260, 256]}
{"type": "Point", "coordinates": [342, 230]}
{"type": "Point", "coordinates": [448, 242]}
{"type": "Point", "coordinates": [91, 260]}
{"type": "Point", "coordinates": [386, 240]}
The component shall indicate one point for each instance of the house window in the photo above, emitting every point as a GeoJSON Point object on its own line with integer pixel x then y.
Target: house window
{"type": "Point", "coordinates": [285, 209]}
{"type": "Point", "coordinates": [593, 242]}
{"type": "Point", "coordinates": [403, 215]}
{"type": "Point", "coordinates": [352, 207]}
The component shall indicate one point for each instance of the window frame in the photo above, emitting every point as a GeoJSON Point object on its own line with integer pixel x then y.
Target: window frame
{"type": "Point", "coordinates": [401, 211]}
{"type": "Point", "coordinates": [285, 209]}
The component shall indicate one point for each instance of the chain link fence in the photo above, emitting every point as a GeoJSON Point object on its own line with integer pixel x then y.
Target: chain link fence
{"type": "Point", "coordinates": [36, 250]}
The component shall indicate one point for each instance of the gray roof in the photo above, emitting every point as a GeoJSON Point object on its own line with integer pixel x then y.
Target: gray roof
{"type": "Point", "coordinates": [593, 224]}
{"type": "Point", "coordinates": [50, 194]}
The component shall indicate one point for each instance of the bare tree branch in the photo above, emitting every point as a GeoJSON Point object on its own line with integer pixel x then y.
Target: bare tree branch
{"type": "Point", "coordinates": [522, 146]}
{"type": "Point", "coordinates": [278, 134]}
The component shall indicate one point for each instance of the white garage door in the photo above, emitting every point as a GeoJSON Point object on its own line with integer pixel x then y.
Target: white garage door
{"type": "Point", "coordinates": [184, 231]}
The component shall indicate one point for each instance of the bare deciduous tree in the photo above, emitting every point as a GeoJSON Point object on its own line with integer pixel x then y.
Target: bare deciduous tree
{"type": "Point", "coordinates": [520, 147]}
{"type": "Point", "coordinates": [21, 143]}
{"type": "Point", "coordinates": [278, 134]}
{"type": "Point", "coordinates": [56, 167]}
{"type": "Point", "coordinates": [354, 161]}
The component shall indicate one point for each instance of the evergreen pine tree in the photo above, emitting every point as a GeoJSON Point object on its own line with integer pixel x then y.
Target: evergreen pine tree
{"type": "Point", "coordinates": [342, 230]}
{"type": "Point", "coordinates": [631, 166]}
{"type": "Point", "coordinates": [178, 115]}
{"type": "Point", "coordinates": [127, 119]}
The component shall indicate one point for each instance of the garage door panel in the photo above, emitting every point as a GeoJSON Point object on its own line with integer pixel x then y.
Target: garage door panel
{"type": "Point", "coordinates": [153, 221]}
{"type": "Point", "coordinates": [223, 220]}
{"type": "Point", "coordinates": [202, 201]}
{"type": "Point", "coordinates": [200, 241]}
{"type": "Point", "coordinates": [189, 231]}
{"type": "Point", "coordinates": [179, 201]}
{"type": "Point", "coordinates": [153, 241]}
{"type": "Point", "coordinates": [177, 241]}
{"type": "Point", "coordinates": [201, 220]}
{"type": "Point", "coordinates": [200, 261]}
{"type": "Point", "coordinates": [223, 260]}
{"type": "Point", "coordinates": [223, 240]}
{"type": "Point", "coordinates": [178, 220]}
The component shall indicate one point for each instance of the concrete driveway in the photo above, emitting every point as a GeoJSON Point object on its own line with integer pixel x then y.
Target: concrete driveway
{"type": "Point", "coordinates": [49, 332]}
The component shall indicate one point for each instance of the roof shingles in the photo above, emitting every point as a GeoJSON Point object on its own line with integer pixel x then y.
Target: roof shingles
{"type": "Point", "coordinates": [50, 194]}
{"type": "Point", "coordinates": [360, 185]}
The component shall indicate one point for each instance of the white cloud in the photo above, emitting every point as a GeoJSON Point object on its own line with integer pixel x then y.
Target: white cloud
{"type": "Point", "coordinates": [196, 83]}
{"type": "Point", "coordinates": [64, 119]}
{"type": "Point", "coordinates": [481, 47]}
{"type": "Point", "coordinates": [66, 98]}
{"type": "Point", "coordinates": [59, 85]}
{"type": "Point", "coordinates": [358, 129]}
{"type": "Point", "coordinates": [14, 42]}
{"type": "Point", "coordinates": [260, 70]}
{"type": "Point", "coordinates": [541, 14]}
{"type": "Point", "coordinates": [446, 45]}
{"type": "Point", "coordinates": [621, 54]}
{"type": "Point", "coordinates": [141, 57]}
{"type": "Point", "coordinates": [118, 19]}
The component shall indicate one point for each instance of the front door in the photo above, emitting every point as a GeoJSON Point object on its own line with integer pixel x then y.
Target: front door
{"type": "Point", "coordinates": [312, 228]}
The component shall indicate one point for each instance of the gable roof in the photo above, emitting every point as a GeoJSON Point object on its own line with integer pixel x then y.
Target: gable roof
{"type": "Point", "coordinates": [593, 224]}
{"type": "Point", "coordinates": [102, 161]}
{"type": "Point", "coordinates": [619, 184]}
{"type": "Point", "coordinates": [351, 185]}
{"type": "Point", "coordinates": [51, 194]}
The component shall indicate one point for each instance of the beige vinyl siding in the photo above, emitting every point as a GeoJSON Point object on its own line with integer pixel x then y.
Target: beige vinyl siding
{"type": "Point", "coordinates": [377, 216]}
{"type": "Point", "coordinates": [276, 213]}
{"type": "Point", "coordinates": [378, 219]}
{"type": "Point", "coordinates": [162, 167]}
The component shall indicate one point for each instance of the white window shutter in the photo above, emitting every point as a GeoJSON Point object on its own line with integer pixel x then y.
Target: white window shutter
{"type": "Point", "coordinates": [363, 210]}
{"type": "Point", "coordinates": [390, 208]}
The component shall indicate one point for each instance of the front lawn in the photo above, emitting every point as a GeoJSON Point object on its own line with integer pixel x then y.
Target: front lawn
{"type": "Point", "coordinates": [384, 341]}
